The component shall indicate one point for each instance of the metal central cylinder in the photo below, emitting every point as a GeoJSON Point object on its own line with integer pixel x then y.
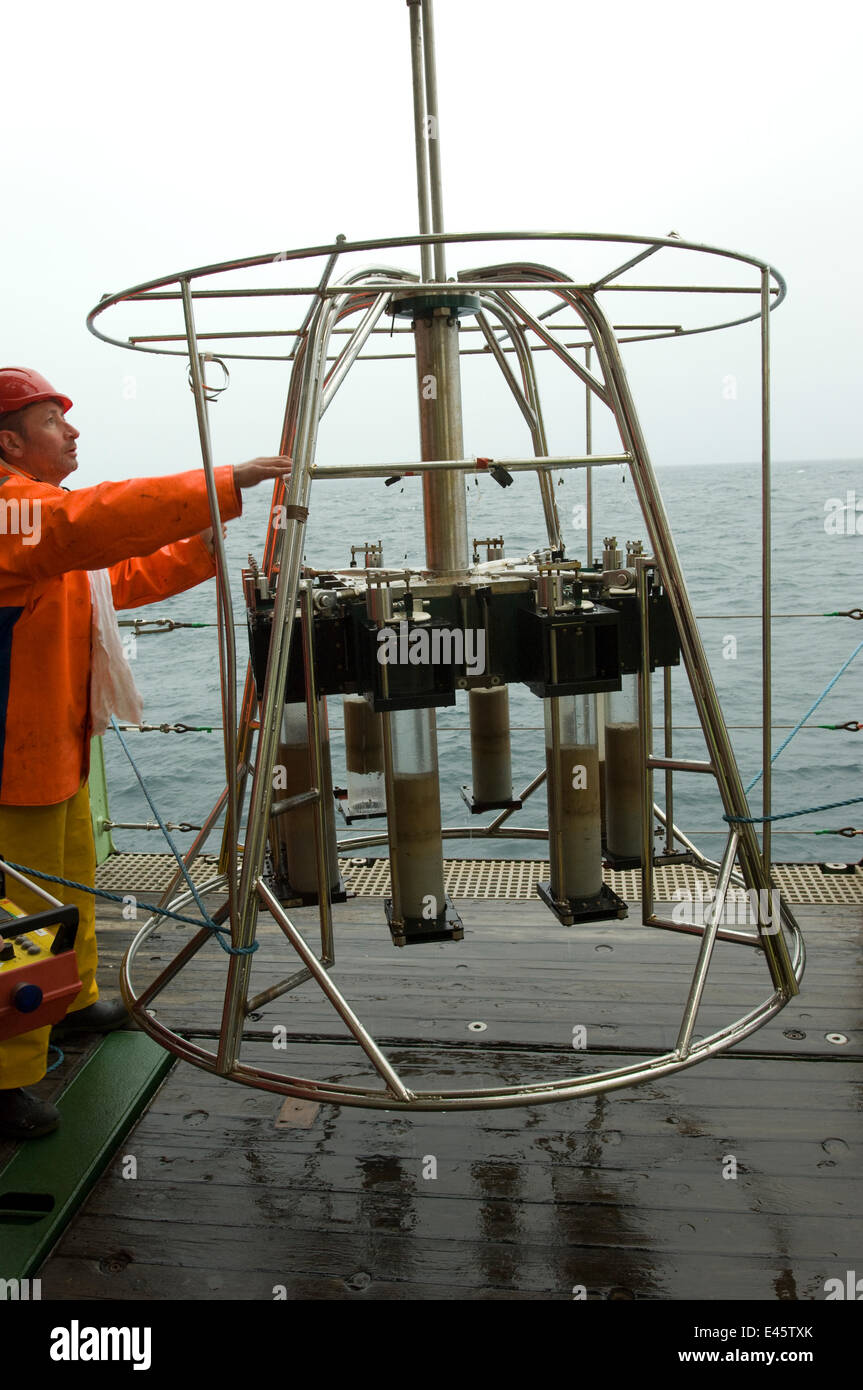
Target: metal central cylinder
{"type": "Point", "coordinates": [439, 391]}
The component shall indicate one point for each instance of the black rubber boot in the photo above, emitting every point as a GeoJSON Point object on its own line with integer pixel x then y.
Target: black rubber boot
{"type": "Point", "coordinates": [24, 1116]}
{"type": "Point", "coordinates": [102, 1017]}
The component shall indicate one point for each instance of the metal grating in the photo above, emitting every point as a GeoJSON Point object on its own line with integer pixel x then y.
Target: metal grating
{"type": "Point", "coordinates": [516, 879]}
{"type": "Point", "coordinates": [149, 873]}
{"type": "Point", "coordinates": [512, 879]}
{"type": "Point", "coordinates": [807, 883]}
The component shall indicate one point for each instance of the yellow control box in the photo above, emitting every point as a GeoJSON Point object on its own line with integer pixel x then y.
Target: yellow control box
{"type": "Point", "coordinates": [38, 968]}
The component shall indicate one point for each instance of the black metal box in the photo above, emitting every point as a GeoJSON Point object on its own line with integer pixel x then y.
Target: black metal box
{"type": "Point", "coordinates": [570, 653]}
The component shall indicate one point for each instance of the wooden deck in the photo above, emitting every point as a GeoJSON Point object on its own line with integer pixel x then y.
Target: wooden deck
{"type": "Point", "coordinates": [240, 1191]}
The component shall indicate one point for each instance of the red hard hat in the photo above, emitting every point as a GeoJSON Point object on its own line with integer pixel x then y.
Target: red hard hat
{"type": "Point", "coordinates": [20, 386]}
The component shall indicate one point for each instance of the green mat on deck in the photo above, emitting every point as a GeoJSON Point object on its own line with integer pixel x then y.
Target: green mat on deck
{"type": "Point", "coordinates": [46, 1181]}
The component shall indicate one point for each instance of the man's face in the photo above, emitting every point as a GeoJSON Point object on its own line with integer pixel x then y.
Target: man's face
{"type": "Point", "coordinates": [43, 446]}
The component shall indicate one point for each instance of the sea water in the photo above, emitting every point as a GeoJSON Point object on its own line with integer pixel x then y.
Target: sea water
{"type": "Point", "coordinates": [714, 511]}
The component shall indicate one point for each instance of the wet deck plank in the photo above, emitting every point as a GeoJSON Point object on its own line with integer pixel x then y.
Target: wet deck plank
{"type": "Point", "coordinates": [615, 1192]}
{"type": "Point", "coordinates": [622, 1193]}
{"type": "Point", "coordinates": [529, 980]}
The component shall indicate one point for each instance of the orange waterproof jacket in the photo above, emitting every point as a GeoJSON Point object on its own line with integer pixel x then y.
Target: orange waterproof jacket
{"type": "Point", "coordinates": [49, 538]}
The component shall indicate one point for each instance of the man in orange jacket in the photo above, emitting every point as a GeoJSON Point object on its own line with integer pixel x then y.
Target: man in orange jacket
{"type": "Point", "coordinates": [152, 536]}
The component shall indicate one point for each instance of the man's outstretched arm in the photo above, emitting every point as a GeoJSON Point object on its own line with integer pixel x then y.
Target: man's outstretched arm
{"type": "Point", "coordinates": [174, 568]}
{"type": "Point", "coordinates": [98, 527]}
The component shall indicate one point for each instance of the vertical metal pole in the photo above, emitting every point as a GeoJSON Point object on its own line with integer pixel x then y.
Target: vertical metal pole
{"type": "Point", "coordinates": [444, 500]}
{"type": "Point", "coordinates": [439, 391]}
{"type": "Point", "coordinates": [248, 708]}
{"type": "Point", "coordinates": [557, 871]}
{"type": "Point", "coordinates": [669, 775]}
{"type": "Point", "coordinates": [420, 135]}
{"type": "Point", "coordinates": [250, 700]}
{"type": "Point", "coordinates": [555, 819]}
{"type": "Point", "coordinates": [381, 609]}
{"type": "Point", "coordinates": [645, 721]}
{"type": "Point", "coordinates": [435, 185]}
{"type": "Point", "coordinates": [322, 858]}
{"type": "Point", "coordinates": [227, 650]}
{"type": "Point", "coordinates": [588, 472]}
{"type": "Point", "coordinates": [289, 558]}
{"type": "Point", "coordinates": [766, 541]}
{"type": "Point", "coordinates": [392, 826]}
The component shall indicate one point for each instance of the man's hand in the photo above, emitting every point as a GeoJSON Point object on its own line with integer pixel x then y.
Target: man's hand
{"type": "Point", "coordinates": [258, 470]}
{"type": "Point", "coordinates": [207, 538]}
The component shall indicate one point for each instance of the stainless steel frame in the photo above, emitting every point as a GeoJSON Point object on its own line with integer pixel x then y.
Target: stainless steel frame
{"type": "Point", "coordinates": [313, 386]}
{"type": "Point", "coordinates": [316, 377]}
{"type": "Point", "coordinates": [156, 291]}
{"type": "Point", "coordinates": [501, 290]}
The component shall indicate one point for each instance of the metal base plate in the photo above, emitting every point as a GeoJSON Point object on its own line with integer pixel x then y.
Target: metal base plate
{"type": "Point", "coordinates": [349, 815]}
{"type": "Point", "coordinates": [571, 910]}
{"type": "Point", "coordinates": [411, 930]}
{"type": "Point", "coordinates": [476, 808]}
{"type": "Point", "coordinates": [621, 862]}
{"type": "Point", "coordinates": [289, 898]}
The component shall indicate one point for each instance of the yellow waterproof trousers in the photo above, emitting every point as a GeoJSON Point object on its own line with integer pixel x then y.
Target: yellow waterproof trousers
{"type": "Point", "coordinates": [57, 840]}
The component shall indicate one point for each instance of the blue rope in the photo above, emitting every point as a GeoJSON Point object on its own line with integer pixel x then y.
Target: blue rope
{"type": "Point", "coordinates": [797, 727]}
{"type": "Point", "coordinates": [164, 829]}
{"type": "Point", "coordinates": [111, 897]}
{"type": "Point", "coordinates": [786, 815]}
{"type": "Point", "coordinates": [52, 1047]}
{"type": "Point", "coordinates": [219, 932]}
{"type": "Point", "coordinates": [222, 934]}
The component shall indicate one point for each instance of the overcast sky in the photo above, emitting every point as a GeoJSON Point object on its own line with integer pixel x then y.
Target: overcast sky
{"type": "Point", "coordinates": [139, 140]}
